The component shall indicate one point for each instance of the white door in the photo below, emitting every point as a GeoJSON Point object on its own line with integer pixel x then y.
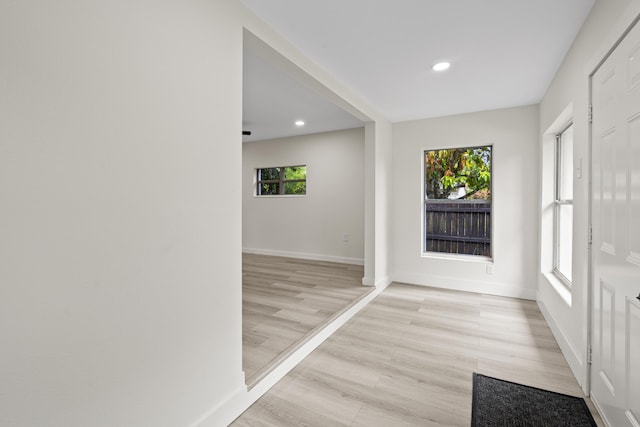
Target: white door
{"type": "Point", "coordinates": [615, 372]}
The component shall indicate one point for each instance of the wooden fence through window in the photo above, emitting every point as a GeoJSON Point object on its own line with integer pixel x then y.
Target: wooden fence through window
{"type": "Point", "coordinates": [460, 227]}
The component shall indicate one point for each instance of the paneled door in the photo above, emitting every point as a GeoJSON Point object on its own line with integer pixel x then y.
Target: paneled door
{"type": "Point", "coordinates": [615, 370]}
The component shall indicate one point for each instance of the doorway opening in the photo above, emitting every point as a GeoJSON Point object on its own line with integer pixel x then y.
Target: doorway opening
{"type": "Point", "coordinates": [303, 252]}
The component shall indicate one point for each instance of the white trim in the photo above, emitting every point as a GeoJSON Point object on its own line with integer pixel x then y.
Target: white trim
{"type": "Point", "coordinates": [559, 286]}
{"type": "Point", "coordinates": [229, 410]}
{"type": "Point", "coordinates": [596, 403]}
{"type": "Point", "coordinates": [616, 33]}
{"type": "Point", "coordinates": [215, 414]}
{"type": "Point", "coordinates": [574, 359]}
{"type": "Point", "coordinates": [480, 287]}
{"type": "Point", "coordinates": [383, 282]}
{"type": "Point", "coordinates": [423, 200]}
{"type": "Point", "coordinates": [299, 255]}
{"type": "Point", "coordinates": [366, 281]}
{"type": "Point", "coordinates": [458, 257]}
{"type": "Point", "coordinates": [279, 196]}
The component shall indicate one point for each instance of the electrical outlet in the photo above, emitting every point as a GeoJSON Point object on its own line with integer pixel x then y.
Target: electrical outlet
{"type": "Point", "coordinates": [489, 268]}
{"type": "Point", "coordinates": [345, 237]}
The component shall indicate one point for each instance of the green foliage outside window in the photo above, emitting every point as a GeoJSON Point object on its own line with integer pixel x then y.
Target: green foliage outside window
{"type": "Point", "coordinates": [447, 171]}
{"type": "Point", "coordinates": [297, 175]}
{"type": "Point", "coordinates": [285, 180]}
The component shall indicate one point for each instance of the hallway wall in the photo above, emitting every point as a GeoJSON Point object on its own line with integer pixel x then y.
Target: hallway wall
{"type": "Point", "coordinates": [567, 99]}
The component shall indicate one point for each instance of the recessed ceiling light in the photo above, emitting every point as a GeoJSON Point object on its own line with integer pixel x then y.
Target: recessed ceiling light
{"type": "Point", "coordinates": [299, 123]}
{"type": "Point", "coordinates": [441, 66]}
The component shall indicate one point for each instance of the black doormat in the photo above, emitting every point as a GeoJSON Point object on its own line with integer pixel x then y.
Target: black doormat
{"type": "Point", "coordinates": [503, 403]}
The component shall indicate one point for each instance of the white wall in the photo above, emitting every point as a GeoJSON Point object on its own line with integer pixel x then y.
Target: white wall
{"type": "Point", "coordinates": [120, 252]}
{"type": "Point", "coordinates": [383, 184]}
{"type": "Point", "coordinates": [568, 95]}
{"type": "Point", "coordinates": [513, 134]}
{"type": "Point", "coordinates": [310, 226]}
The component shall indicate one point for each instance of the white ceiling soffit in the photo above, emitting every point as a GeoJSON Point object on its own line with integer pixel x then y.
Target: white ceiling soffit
{"type": "Point", "coordinates": [503, 53]}
{"type": "Point", "coordinates": [274, 99]}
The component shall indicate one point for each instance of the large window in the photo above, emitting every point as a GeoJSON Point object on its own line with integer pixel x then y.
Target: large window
{"type": "Point", "coordinates": [283, 180]}
{"type": "Point", "coordinates": [457, 208]}
{"type": "Point", "coordinates": [563, 205]}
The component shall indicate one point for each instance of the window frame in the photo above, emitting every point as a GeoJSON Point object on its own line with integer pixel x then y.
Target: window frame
{"type": "Point", "coordinates": [281, 181]}
{"type": "Point", "coordinates": [424, 235]}
{"type": "Point", "coordinates": [558, 202]}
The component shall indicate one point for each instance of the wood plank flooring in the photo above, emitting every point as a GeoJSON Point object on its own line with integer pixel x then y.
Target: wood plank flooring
{"type": "Point", "coordinates": [407, 360]}
{"type": "Point", "coordinates": [284, 300]}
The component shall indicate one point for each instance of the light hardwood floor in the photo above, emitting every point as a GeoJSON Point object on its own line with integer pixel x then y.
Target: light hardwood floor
{"type": "Point", "coordinates": [285, 300]}
{"type": "Point", "coordinates": [407, 360]}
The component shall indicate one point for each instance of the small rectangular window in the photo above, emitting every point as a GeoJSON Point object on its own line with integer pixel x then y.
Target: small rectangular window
{"type": "Point", "coordinates": [563, 206]}
{"type": "Point", "coordinates": [457, 208]}
{"type": "Point", "coordinates": [281, 180]}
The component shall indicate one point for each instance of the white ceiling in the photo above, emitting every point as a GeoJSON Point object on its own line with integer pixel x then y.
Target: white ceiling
{"type": "Point", "coordinates": [503, 53]}
{"type": "Point", "coordinates": [274, 100]}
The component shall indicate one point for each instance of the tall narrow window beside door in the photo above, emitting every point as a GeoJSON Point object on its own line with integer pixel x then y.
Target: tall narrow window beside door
{"type": "Point", "coordinates": [563, 206]}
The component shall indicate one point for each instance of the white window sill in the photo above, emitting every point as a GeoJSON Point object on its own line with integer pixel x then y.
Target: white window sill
{"type": "Point", "coordinates": [458, 257]}
{"type": "Point", "coordinates": [280, 196]}
{"type": "Point", "coordinates": [559, 286]}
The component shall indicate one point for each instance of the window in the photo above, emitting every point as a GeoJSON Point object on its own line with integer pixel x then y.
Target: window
{"type": "Point", "coordinates": [563, 205]}
{"type": "Point", "coordinates": [283, 180]}
{"type": "Point", "coordinates": [457, 208]}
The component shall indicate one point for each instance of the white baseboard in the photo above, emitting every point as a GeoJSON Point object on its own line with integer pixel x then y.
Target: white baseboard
{"type": "Point", "coordinates": [299, 255]}
{"type": "Point", "coordinates": [490, 288]}
{"type": "Point", "coordinates": [383, 282]}
{"type": "Point", "coordinates": [368, 282]}
{"type": "Point", "coordinates": [568, 351]}
{"type": "Point", "coordinates": [596, 403]}
{"type": "Point", "coordinates": [224, 413]}
{"type": "Point", "coordinates": [380, 283]}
